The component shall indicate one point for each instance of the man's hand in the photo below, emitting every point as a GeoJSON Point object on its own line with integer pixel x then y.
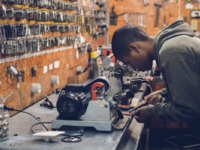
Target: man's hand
{"type": "Point", "coordinates": [152, 98]}
{"type": "Point", "coordinates": [141, 115]}
{"type": "Point", "coordinates": [152, 95]}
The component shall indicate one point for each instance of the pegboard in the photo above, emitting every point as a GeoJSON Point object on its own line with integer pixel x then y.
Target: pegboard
{"type": "Point", "coordinates": [169, 13]}
{"type": "Point", "coordinates": [54, 38]}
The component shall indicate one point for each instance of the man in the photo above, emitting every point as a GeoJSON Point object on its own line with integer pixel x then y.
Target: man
{"type": "Point", "coordinates": [177, 53]}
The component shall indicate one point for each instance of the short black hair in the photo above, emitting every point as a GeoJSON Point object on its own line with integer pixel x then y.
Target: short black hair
{"type": "Point", "coordinates": [125, 35]}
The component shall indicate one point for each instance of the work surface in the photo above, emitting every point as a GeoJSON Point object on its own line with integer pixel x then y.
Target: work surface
{"type": "Point", "coordinates": [21, 123]}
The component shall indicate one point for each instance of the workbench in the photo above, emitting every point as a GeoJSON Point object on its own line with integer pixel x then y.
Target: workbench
{"type": "Point", "coordinates": [20, 124]}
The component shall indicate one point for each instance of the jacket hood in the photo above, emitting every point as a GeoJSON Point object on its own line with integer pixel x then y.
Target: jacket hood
{"type": "Point", "coordinates": [175, 29]}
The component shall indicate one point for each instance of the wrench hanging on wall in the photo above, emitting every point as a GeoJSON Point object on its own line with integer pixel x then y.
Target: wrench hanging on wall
{"type": "Point", "coordinates": [146, 2]}
{"type": "Point", "coordinates": [144, 17]}
{"type": "Point", "coordinates": [126, 17]}
{"type": "Point", "coordinates": [131, 16]}
{"type": "Point", "coordinates": [139, 20]}
{"type": "Point", "coordinates": [114, 16]}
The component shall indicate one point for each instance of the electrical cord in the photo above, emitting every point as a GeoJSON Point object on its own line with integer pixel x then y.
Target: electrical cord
{"type": "Point", "coordinates": [12, 109]}
{"type": "Point", "coordinates": [67, 138]}
{"type": "Point", "coordinates": [32, 116]}
{"type": "Point", "coordinates": [72, 138]}
{"type": "Point", "coordinates": [37, 124]}
{"type": "Point", "coordinates": [60, 92]}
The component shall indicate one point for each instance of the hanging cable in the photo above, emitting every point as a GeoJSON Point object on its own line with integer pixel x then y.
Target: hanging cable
{"type": "Point", "coordinates": [12, 109]}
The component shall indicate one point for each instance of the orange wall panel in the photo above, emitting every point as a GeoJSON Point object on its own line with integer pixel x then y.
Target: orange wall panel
{"type": "Point", "coordinates": [168, 9]}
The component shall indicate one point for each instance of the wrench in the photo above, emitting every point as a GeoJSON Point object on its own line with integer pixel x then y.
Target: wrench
{"type": "Point", "coordinates": [141, 15]}
{"type": "Point", "coordinates": [127, 17]}
{"type": "Point", "coordinates": [146, 2]}
{"type": "Point", "coordinates": [139, 20]}
{"type": "Point", "coordinates": [132, 18]}
{"type": "Point", "coordinates": [144, 17]}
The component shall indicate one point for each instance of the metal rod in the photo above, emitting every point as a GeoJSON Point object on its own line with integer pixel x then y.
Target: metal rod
{"type": "Point", "coordinates": [108, 20]}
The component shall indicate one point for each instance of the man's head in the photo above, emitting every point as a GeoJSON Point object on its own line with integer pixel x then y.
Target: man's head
{"type": "Point", "coordinates": [133, 46]}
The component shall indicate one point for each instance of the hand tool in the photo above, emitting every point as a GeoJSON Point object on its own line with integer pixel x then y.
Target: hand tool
{"type": "Point", "coordinates": [139, 20]}
{"type": "Point", "coordinates": [126, 17]}
{"type": "Point", "coordinates": [52, 16]}
{"type": "Point", "coordinates": [164, 94]}
{"type": "Point", "coordinates": [146, 2]}
{"type": "Point", "coordinates": [127, 114]}
{"type": "Point", "coordinates": [19, 14]}
{"type": "Point", "coordinates": [2, 11]}
{"type": "Point", "coordinates": [144, 17]}
{"type": "Point", "coordinates": [10, 13]}
{"type": "Point", "coordinates": [134, 109]}
{"type": "Point", "coordinates": [114, 16]}
{"type": "Point", "coordinates": [131, 18]}
{"type": "Point", "coordinates": [35, 29]}
{"type": "Point", "coordinates": [22, 46]}
{"type": "Point", "coordinates": [125, 107]}
{"type": "Point", "coordinates": [45, 16]}
{"type": "Point", "coordinates": [165, 25]}
{"type": "Point", "coordinates": [29, 14]}
{"type": "Point", "coordinates": [157, 13]}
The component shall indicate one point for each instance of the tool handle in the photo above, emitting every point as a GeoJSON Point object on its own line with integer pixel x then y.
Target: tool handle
{"type": "Point", "coordinates": [127, 114]}
{"type": "Point", "coordinates": [134, 109]}
{"type": "Point", "coordinates": [157, 16]}
{"type": "Point", "coordinates": [142, 106]}
{"type": "Point", "coordinates": [126, 106]}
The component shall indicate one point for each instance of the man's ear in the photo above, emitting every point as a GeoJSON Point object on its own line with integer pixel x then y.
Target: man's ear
{"type": "Point", "coordinates": [133, 47]}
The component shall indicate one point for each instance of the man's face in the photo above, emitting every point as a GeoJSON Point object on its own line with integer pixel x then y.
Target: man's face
{"type": "Point", "coordinates": [138, 60]}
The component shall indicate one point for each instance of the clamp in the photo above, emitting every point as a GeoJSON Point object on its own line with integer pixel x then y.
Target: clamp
{"type": "Point", "coordinates": [96, 87]}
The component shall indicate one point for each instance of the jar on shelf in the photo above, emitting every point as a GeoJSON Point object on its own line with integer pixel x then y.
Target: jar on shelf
{"type": "Point", "coordinates": [4, 124]}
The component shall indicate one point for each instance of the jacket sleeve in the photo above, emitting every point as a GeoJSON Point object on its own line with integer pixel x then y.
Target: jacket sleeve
{"type": "Point", "coordinates": [182, 80]}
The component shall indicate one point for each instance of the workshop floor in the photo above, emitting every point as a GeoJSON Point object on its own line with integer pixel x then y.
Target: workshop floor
{"type": "Point", "coordinates": [156, 142]}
